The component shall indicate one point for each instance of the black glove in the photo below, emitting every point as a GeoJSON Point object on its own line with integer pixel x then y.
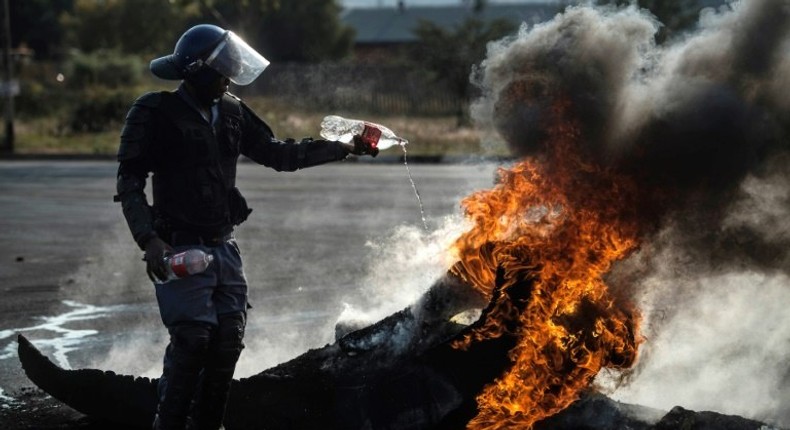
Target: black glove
{"type": "Point", "coordinates": [155, 251]}
{"type": "Point", "coordinates": [362, 147]}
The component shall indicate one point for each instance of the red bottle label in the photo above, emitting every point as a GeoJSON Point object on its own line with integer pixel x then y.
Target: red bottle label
{"type": "Point", "coordinates": [179, 265]}
{"type": "Point", "coordinates": [371, 135]}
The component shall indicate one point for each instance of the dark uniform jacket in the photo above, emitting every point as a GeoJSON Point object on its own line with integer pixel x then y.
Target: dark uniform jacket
{"type": "Point", "coordinates": [193, 162]}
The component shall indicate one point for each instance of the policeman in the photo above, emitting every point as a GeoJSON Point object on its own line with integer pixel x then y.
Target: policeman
{"type": "Point", "coordinates": [191, 139]}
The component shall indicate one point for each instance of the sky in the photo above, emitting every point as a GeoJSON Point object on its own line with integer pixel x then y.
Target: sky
{"type": "Point", "coordinates": [392, 3]}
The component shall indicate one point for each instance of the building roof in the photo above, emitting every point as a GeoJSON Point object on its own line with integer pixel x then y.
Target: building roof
{"type": "Point", "coordinates": [393, 25]}
{"type": "Point", "coordinates": [396, 25]}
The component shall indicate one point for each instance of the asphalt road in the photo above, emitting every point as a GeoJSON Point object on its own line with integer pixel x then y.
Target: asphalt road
{"type": "Point", "coordinates": [344, 240]}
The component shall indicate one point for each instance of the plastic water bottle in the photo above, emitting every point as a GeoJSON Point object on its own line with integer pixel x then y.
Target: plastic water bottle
{"type": "Point", "coordinates": [185, 263]}
{"type": "Point", "coordinates": [341, 129]}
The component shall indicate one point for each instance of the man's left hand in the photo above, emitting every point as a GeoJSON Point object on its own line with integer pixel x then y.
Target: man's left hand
{"type": "Point", "coordinates": [155, 251]}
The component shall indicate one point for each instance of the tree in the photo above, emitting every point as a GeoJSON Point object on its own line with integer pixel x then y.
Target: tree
{"type": "Point", "coordinates": [304, 30]}
{"type": "Point", "coordinates": [244, 17]}
{"type": "Point", "coordinates": [145, 27]}
{"type": "Point", "coordinates": [35, 24]}
{"type": "Point", "coordinates": [450, 53]}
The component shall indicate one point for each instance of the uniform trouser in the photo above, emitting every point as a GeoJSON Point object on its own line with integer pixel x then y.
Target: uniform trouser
{"type": "Point", "coordinates": [205, 315]}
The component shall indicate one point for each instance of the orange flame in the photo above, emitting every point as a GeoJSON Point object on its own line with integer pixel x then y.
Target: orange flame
{"type": "Point", "coordinates": [558, 224]}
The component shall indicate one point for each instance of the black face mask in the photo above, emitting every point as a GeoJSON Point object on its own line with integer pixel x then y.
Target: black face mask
{"type": "Point", "coordinates": [203, 83]}
{"type": "Point", "coordinates": [203, 77]}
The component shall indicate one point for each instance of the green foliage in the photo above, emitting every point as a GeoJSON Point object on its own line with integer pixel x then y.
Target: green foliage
{"type": "Point", "coordinates": [34, 23]}
{"type": "Point", "coordinates": [304, 30]}
{"type": "Point", "coordinates": [90, 92]}
{"type": "Point", "coordinates": [40, 92]}
{"type": "Point", "coordinates": [63, 90]}
{"type": "Point", "coordinates": [451, 54]}
{"type": "Point", "coordinates": [307, 30]}
{"type": "Point", "coordinates": [99, 87]}
{"type": "Point", "coordinates": [244, 17]}
{"type": "Point", "coordinates": [90, 109]}
{"type": "Point", "coordinates": [129, 26]}
{"type": "Point", "coordinates": [37, 100]}
{"type": "Point", "coordinates": [105, 68]}
{"type": "Point", "coordinates": [100, 109]}
{"type": "Point", "coordinates": [104, 46]}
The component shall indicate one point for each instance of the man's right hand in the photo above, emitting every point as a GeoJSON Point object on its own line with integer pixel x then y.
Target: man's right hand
{"type": "Point", "coordinates": [155, 251]}
{"type": "Point", "coordinates": [360, 146]}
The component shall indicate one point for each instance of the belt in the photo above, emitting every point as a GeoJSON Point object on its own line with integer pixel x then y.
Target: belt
{"type": "Point", "coordinates": [191, 238]}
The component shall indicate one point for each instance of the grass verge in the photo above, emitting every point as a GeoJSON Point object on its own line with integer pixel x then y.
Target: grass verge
{"type": "Point", "coordinates": [428, 136]}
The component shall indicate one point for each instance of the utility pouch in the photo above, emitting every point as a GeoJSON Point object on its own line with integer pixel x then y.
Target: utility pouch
{"type": "Point", "coordinates": [237, 205]}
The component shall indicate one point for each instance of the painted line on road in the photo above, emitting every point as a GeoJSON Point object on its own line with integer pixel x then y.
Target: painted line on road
{"type": "Point", "coordinates": [67, 339]}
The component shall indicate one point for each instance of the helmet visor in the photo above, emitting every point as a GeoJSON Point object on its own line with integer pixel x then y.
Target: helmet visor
{"type": "Point", "coordinates": [236, 60]}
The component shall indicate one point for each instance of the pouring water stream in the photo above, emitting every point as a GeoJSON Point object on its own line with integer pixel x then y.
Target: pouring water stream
{"type": "Point", "coordinates": [334, 127]}
{"type": "Point", "coordinates": [414, 187]}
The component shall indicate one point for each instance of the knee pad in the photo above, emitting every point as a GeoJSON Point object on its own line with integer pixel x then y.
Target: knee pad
{"type": "Point", "coordinates": [190, 339]}
{"type": "Point", "coordinates": [227, 342]}
{"type": "Point", "coordinates": [218, 373]}
{"type": "Point", "coordinates": [230, 331]}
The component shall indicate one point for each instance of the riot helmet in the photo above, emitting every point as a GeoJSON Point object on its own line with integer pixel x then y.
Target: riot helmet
{"type": "Point", "coordinates": [207, 45]}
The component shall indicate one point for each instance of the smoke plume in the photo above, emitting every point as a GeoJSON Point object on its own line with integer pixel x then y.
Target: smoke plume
{"type": "Point", "coordinates": [701, 125]}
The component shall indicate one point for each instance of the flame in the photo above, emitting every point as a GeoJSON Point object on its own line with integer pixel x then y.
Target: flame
{"type": "Point", "coordinates": [548, 233]}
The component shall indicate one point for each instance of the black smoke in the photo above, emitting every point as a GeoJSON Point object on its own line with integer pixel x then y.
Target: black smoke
{"type": "Point", "coordinates": [688, 120]}
{"type": "Point", "coordinates": [701, 124]}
